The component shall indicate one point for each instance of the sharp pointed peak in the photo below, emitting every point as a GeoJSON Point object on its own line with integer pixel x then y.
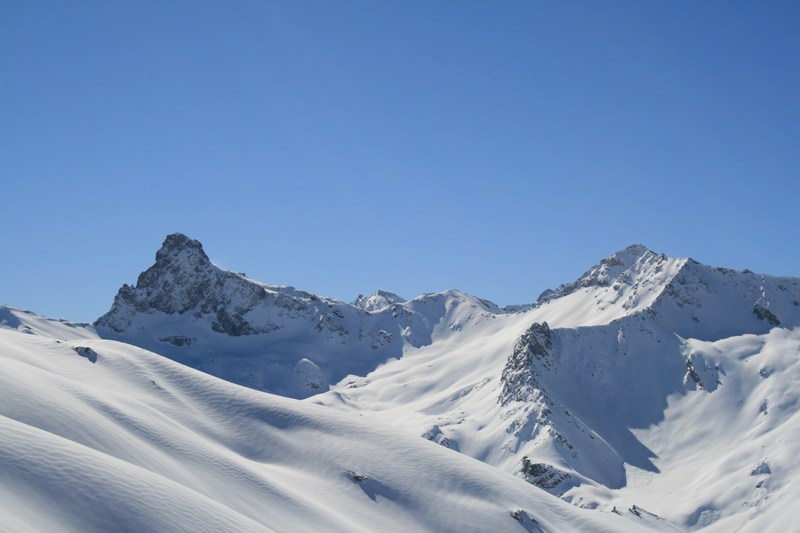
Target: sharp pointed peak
{"type": "Point", "coordinates": [635, 250]}
{"type": "Point", "coordinates": [175, 243]}
{"type": "Point", "coordinates": [388, 294]}
{"type": "Point", "coordinates": [624, 266]}
{"type": "Point", "coordinates": [377, 300]}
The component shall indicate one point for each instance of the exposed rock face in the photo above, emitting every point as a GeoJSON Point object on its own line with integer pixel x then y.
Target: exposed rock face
{"type": "Point", "coordinates": [436, 435]}
{"type": "Point", "coordinates": [520, 382]}
{"type": "Point", "coordinates": [542, 475]}
{"type": "Point", "coordinates": [704, 374]}
{"type": "Point", "coordinates": [763, 313]}
{"type": "Point", "coordinates": [183, 280]}
{"type": "Point", "coordinates": [88, 353]}
{"type": "Point", "coordinates": [532, 415]}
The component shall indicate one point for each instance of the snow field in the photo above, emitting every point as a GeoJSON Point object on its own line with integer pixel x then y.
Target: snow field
{"type": "Point", "coordinates": [137, 442]}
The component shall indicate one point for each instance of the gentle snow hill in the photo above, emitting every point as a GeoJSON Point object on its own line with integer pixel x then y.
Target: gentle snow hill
{"type": "Point", "coordinates": [97, 435]}
{"type": "Point", "coordinates": [31, 323]}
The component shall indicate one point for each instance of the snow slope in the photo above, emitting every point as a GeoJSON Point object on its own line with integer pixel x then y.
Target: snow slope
{"type": "Point", "coordinates": [568, 393]}
{"type": "Point", "coordinates": [725, 459]}
{"type": "Point", "coordinates": [97, 435]}
{"type": "Point", "coordinates": [31, 323]}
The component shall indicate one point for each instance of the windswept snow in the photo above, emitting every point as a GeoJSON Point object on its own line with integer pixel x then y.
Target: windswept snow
{"type": "Point", "coordinates": [33, 324]}
{"type": "Point", "coordinates": [136, 442]}
{"type": "Point", "coordinates": [727, 459]}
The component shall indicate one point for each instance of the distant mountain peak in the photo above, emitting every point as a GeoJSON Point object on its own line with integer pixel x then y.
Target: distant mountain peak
{"type": "Point", "coordinates": [627, 267]}
{"type": "Point", "coordinates": [378, 300]}
{"type": "Point", "coordinates": [176, 244]}
{"type": "Point", "coordinates": [632, 258]}
{"type": "Point", "coordinates": [181, 262]}
{"type": "Point", "coordinates": [183, 280]}
{"type": "Point", "coordinates": [632, 252]}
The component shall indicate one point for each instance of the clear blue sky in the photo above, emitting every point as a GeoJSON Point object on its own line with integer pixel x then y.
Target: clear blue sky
{"type": "Point", "coordinates": [496, 147]}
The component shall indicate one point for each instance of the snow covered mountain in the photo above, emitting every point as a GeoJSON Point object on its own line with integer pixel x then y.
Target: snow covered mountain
{"type": "Point", "coordinates": [574, 393]}
{"type": "Point", "coordinates": [272, 338]}
{"type": "Point", "coordinates": [650, 382]}
{"type": "Point", "coordinates": [377, 301]}
{"type": "Point", "coordinates": [97, 435]}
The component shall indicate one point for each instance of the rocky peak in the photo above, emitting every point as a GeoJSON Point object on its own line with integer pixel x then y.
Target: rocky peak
{"type": "Point", "coordinates": [377, 301]}
{"type": "Point", "coordinates": [633, 251]}
{"type": "Point", "coordinates": [612, 268]}
{"type": "Point", "coordinates": [177, 245]}
{"type": "Point", "coordinates": [180, 263]}
{"type": "Point", "coordinates": [519, 378]}
{"type": "Point", "coordinates": [625, 267]}
{"type": "Point", "coordinates": [183, 280]}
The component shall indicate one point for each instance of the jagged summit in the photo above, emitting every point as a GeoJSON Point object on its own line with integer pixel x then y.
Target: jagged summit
{"type": "Point", "coordinates": [377, 300]}
{"type": "Point", "coordinates": [635, 267]}
{"type": "Point", "coordinates": [634, 250]}
{"type": "Point", "coordinates": [177, 244]}
{"type": "Point", "coordinates": [633, 259]}
{"type": "Point", "coordinates": [688, 297]}
{"type": "Point", "coordinates": [183, 279]}
{"type": "Point", "coordinates": [181, 262]}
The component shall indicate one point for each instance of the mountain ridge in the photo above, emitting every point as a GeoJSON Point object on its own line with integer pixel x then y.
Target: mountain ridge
{"type": "Point", "coordinates": [189, 309]}
{"type": "Point", "coordinates": [573, 393]}
{"type": "Point", "coordinates": [256, 334]}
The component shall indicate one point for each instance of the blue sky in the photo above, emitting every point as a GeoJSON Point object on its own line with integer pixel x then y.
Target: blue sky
{"type": "Point", "coordinates": [496, 147]}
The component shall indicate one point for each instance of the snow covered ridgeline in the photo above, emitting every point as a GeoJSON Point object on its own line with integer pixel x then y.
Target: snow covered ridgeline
{"type": "Point", "coordinates": [560, 387]}
{"type": "Point", "coordinates": [132, 441]}
{"type": "Point", "coordinates": [456, 366]}
{"type": "Point", "coordinates": [377, 301]}
{"type": "Point", "coordinates": [582, 393]}
{"type": "Point", "coordinates": [295, 343]}
{"type": "Point", "coordinates": [269, 337]}
{"type": "Point", "coordinates": [685, 295]}
{"type": "Point", "coordinates": [569, 393]}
